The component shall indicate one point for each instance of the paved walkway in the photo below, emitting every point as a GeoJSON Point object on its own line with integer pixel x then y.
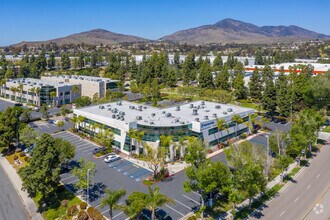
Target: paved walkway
{"type": "Point", "coordinates": [17, 183]}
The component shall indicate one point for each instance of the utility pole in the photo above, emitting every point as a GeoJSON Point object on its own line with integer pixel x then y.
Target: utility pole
{"type": "Point", "coordinates": [87, 185]}
{"type": "Point", "coordinates": [267, 165]}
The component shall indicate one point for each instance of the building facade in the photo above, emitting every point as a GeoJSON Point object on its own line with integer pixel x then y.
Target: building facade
{"type": "Point", "coordinates": [90, 85]}
{"type": "Point", "coordinates": [197, 119]}
{"type": "Point", "coordinates": [38, 92]}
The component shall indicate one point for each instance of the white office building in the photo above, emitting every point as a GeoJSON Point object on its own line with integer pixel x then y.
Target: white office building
{"type": "Point", "coordinates": [190, 119]}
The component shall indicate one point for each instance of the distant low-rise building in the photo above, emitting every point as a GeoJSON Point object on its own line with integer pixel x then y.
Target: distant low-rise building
{"type": "Point", "coordinates": [38, 92]}
{"type": "Point", "coordinates": [90, 85]}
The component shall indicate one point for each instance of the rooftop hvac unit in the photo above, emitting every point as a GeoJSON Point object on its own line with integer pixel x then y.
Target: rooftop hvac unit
{"type": "Point", "coordinates": [224, 112]}
{"type": "Point", "coordinates": [108, 105]}
{"type": "Point", "coordinates": [176, 120]}
{"type": "Point", "coordinates": [145, 107]}
{"type": "Point", "coordinates": [195, 112]}
{"type": "Point", "coordinates": [122, 118]}
{"type": "Point", "coordinates": [229, 109]}
{"type": "Point", "coordinates": [202, 103]}
{"type": "Point", "coordinates": [177, 108]}
{"type": "Point", "coordinates": [182, 122]}
{"type": "Point", "coordinates": [153, 114]}
{"type": "Point", "coordinates": [140, 107]}
{"type": "Point", "coordinates": [101, 107]}
{"type": "Point", "coordinates": [197, 119]}
{"type": "Point", "coordinates": [206, 117]}
{"type": "Point", "coordinates": [109, 109]}
{"type": "Point", "coordinates": [168, 115]}
{"type": "Point", "coordinates": [151, 122]}
{"type": "Point", "coordinates": [217, 106]}
{"type": "Point", "coordinates": [191, 105]}
{"type": "Point", "coordinates": [138, 117]}
{"type": "Point", "coordinates": [163, 112]}
{"type": "Point", "coordinates": [119, 103]}
{"type": "Point", "coordinates": [113, 116]}
{"type": "Point", "coordinates": [214, 115]}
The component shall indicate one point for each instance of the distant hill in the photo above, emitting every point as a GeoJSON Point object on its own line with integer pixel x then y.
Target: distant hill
{"type": "Point", "coordinates": [234, 31]}
{"type": "Point", "coordinates": [92, 37]}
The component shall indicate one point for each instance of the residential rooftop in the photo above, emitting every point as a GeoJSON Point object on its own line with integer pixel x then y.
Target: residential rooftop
{"type": "Point", "coordinates": [198, 111]}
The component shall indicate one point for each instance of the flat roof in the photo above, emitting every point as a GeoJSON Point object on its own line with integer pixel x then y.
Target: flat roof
{"type": "Point", "coordinates": [37, 82]}
{"type": "Point", "coordinates": [87, 78]}
{"type": "Point", "coordinates": [169, 116]}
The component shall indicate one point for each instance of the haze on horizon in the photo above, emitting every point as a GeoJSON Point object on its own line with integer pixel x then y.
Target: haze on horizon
{"type": "Point", "coordinates": [43, 20]}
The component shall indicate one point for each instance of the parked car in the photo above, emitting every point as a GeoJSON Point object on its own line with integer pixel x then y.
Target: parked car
{"type": "Point", "coordinates": [29, 149]}
{"type": "Point", "coordinates": [36, 109]}
{"type": "Point", "coordinates": [99, 149]}
{"type": "Point", "coordinates": [111, 158]}
{"type": "Point", "coordinates": [33, 125]}
{"type": "Point", "coordinates": [145, 215]}
{"type": "Point", "coordinates": [162, 215]}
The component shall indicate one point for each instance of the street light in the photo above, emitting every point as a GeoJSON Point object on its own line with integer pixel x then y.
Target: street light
{"type": "Point", "coordinates": [87, 184]}
{"type": "Point", "coordinates": [267, 149]}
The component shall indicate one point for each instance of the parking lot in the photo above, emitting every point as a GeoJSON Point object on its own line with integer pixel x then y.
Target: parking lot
{"type": "Point", "coordinates": [123, 174]}
{"type": "Point", "coordinates": [46, 127]}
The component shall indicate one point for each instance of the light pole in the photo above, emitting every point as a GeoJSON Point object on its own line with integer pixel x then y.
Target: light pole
{"type": "Point", "coordinates": [267, 149]}
{"type": "Point", "coordinates": [87, 184]}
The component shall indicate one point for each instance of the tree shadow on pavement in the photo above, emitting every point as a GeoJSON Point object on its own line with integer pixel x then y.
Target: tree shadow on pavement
{"type": "Point", "coordinates": [96, 191]}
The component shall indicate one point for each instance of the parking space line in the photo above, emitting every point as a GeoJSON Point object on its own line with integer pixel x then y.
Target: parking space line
{"type": "Point", "coordinates": [191, 199]}
{"type": "Point", "coordinates": [117, 215]}
{"type": "Point", "coordinates": [182, 204]}
{"type": "Point", "coordinates": [175, 210]}
{"type": "Point", "coordinates": [72, 181]}
{"type": "Point", "coordinates": [67, 178]}
{"type": "Point", "coordinates": [105, 211]}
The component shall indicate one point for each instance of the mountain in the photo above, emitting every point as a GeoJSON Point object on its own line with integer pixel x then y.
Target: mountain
{"type": "Point", "coordinates": [93, 37]}
{"type": "Point", "coordinates": [234, 31]}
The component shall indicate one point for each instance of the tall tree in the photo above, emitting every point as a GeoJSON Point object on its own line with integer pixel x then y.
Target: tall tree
{"type": "Point", "coordinates": [205, 78]}
{"type": "Point", "coordinates": [218, 63]}
{"type": "Point", "coordinates": [255, 85]}
{"type": "Point", "coordinates": [222, 79]}
{"type": "Point", "coordinates": [65, 61]}
{"type": "Point", "coordinates": [85, 173]}
{"type": "Point", "coordinates": [111, 199]}
{"type": "Point", "coordinates": [283, 94]}
{"type": "Point", "coordinates": [51, 61]}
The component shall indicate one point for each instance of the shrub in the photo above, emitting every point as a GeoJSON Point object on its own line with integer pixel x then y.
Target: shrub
{"type": "Point", "coordinates": [209, 151]}
{"type": "Point", "coordinates": [22, 154]}
{"type": "Point", "coordinates": [82, 215]}
{"type": "Point", "coordinates": [83, 205]}
{"type": "Point", "coordinates": [94, 214]}
{"type": "Point", "coordinates": [64, 203]}
{"type": "Point", "coordinates": [72, 211]}
{"type": "Point", "coordinates": [26, 159]}
{"type": "Point", "coordinates": [17, 150]}
{"type": "Point", "coordinates": [242, 136]}
{"type": "Point", "coordinates": [15, 157]}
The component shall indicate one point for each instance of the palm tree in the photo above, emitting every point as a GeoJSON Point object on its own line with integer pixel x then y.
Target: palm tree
{"type": "Point", "coordinates": [138, 137]}
{"type": "Point", "coordinates": [238, 120]}
{"type": "Point", "coordinates": [155, 199]}
{"type": "Point", "coordinates": [131, 133]}
{"type": "Point", "coordinates": [37, 91]}
{"type": "Point", "coordinates": [3, 82]}
{"type": "Point", "coordinates": [75, 90]}
{"type": "Point", "coordinates": [32, 90]}
{"type": "Point", "coordinates": [53, 95]}
{"type": "Point", "coordinates": [20, 90]}
{"type": "Point", "coordinates": [111, 199]}
{"type": "Point", "coordinates": [250, 124]}
{"type": "Point", "coordinates": [221, 125]}
{"type": "Point", "coordinates": [81, 119]}
{"type": "Point", "coordinates": [75, 121]}
{"type": "Point", "coordinates": [14, 90]}
{"type": "Point", "coordinates": [166, 142]}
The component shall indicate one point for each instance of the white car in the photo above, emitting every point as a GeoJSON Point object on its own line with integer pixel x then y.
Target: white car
{"type": "Point", "coordinates": [111, 158]}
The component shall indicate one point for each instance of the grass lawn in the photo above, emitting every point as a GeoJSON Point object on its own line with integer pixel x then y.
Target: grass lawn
{"type": "Point", "coordinates": [55, 210]}
{"type": "Point", "coordinates": [326, 129]}
{"type": "Point", "coordinates": [11, 160]}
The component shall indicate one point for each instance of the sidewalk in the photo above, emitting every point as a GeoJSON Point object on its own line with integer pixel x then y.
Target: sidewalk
{"type": "Point", "coordinates": [17, 183]}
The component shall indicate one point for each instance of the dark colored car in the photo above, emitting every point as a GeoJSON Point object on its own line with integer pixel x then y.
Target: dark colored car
{"type": "Point", "coordinates": [145, 215]}
{"type": "Point", "coordinates": [162, 215]}
{"type": "Point", "coordinates": [99, 149]}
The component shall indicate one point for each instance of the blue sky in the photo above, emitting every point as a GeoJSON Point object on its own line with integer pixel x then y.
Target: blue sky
{"type": "Point", "coordinates": [46, 19]}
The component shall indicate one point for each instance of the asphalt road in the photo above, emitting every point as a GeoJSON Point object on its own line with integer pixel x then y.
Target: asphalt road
{"type": "Point", "coordinates": [11, 206]}
{"type": "Point", "coordinates": [303, 193]}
